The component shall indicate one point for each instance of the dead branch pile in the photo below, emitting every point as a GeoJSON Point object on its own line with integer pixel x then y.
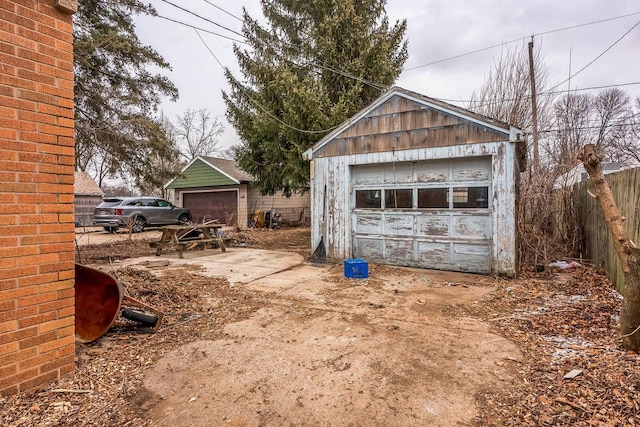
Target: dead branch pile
{"type": "Point", "coordinates": [562, 323]}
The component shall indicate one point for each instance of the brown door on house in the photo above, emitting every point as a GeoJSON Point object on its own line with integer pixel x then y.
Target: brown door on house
{"type": "Point", "coordinates": [220, 205]}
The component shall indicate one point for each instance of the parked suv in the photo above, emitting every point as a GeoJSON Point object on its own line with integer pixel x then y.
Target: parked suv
{"type": "Point", "coordinates": [137, 212]}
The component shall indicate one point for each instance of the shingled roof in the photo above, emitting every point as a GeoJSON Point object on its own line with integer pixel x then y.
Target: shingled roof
{"type": "Point", "coordinates": [84, 185]}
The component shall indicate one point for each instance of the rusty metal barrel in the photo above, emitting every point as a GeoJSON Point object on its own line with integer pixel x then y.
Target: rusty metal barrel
{"type": "Point", "coordinates": [98, 299]}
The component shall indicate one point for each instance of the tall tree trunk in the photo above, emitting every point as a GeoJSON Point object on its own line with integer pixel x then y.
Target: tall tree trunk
{"type": "Point", "coordinates": [628, 254]}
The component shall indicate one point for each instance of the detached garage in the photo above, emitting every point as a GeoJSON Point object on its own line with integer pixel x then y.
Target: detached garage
{"type": "Point", "coordinates": [215, 188]}
{"type": "Point", "coordinates": [414, 181]}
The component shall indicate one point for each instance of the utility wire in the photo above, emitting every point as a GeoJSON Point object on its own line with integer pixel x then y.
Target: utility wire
{"type": "Point", "coordinates": [201, 29]}
{"type": "Point", "coordinates": [223, 10]}
{"type": "Point", "coordinates": [203, 18]}
{"type": "Point", "coordinates": [597, 57]}
{"type": "Point", "coordinates": [519, 39]}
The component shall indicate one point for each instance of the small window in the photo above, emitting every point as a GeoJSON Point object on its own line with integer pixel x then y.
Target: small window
{"type": "Point", "coordinates": [134, 203]}
{"type": "Point", "coordinates": [150, 203]}
{"type": "Point", "coordinates": [433, 198]}
{"type": "Point", "coordinates": [398, 199]}
{"type": "Point", "coordinates": [164, 203]}
{"type": "Point", "coordinates": [471, 197]}
{"type": "Point", "coordinates": [368, 199]}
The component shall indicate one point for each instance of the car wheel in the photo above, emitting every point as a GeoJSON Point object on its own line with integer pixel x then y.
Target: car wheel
{"type": "Point", "coordinates": [138, 225]}
{"type": "Point", "coordinates": [184, 218]}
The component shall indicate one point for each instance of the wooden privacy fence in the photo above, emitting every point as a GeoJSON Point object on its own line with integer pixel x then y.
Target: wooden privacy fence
{"type": "Point", "coordinates": [590, 231]}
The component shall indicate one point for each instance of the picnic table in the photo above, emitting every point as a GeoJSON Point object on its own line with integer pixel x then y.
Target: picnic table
{"type": "Point", "coordinates": [183, 237]}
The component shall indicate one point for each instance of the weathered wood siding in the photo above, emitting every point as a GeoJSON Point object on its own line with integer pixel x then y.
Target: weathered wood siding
{"type": "Point", "coordinates": [404, 124]}
{"type": "Point", "coordinates": [597, 241]}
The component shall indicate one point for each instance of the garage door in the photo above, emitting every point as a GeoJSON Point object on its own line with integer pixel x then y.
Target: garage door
{"type": "Point", "coordinates": [220, 205]}
{"type": "Point", "coordinates": [433, 214]}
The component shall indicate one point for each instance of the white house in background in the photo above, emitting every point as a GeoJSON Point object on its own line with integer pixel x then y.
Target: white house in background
{"type": "Point", "coordinates": [579, 174]}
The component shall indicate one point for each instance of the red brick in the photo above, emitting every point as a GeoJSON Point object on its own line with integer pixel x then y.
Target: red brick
{"type": "Point", "coordinates": [18, 313]}
{"type": "Point", "coordinates": [38, 381]}
{"type": "Point", "coordinates": [19, 356]}
{"type": "Point", "coordinates": [59, 343]}
{"type": "Point", "coordinates": [9, 326]}
{"type": "Point", "coordinates": [18, 335]}
{"type": "Point", "coordinates": [37, 360]}
{"type": "Point", "coordinates": [38, 319]}
{"type": "Point", "coordinates": [57, 324]}
{"type": "Point", "coordinates": [37, 299]}
{"type": "Point", "coordinates": [39, 279]}
{"type": "Point", "coordinates": [8, 348]}
{"type": "Point", "coordinates": [38, 339]}
{"type": "Point", "coordinates": [9, 390]}
{"type": "Point", "coordinates": [57, 363]}
{"type": "Point", "coordinates": [55, 305]}
{"type": "Point", "coordinates": [17, 293]}
{"type": "Point", "coordinates": [8, 370]}
{"type": "Point", "coordinates": [8, 284]}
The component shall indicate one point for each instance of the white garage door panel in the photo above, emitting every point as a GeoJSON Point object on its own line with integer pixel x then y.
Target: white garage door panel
{"type": "Point", "coordinates": [400, 251]}
{"type": "Point", "coordinates": [434, 172]}
{"type": "Point", "coordinates": [476, 227]}
{"type": "Point", "coordinates": [369, 223]}
{"type": "Point", "coordinates": [472, 257]}
{"type": "Point", "coordinates": [398, 174]}
{"type": "Point", "coordinates": [398, 224]}
{"type": "Point", "coordinates": [471, 170]}
{"type": "Point", "coordinates": [369, 248]}
{"type": "Point", "coordinates": [434, 255]}
{"type": "Point", "coordinates": [433, 225]}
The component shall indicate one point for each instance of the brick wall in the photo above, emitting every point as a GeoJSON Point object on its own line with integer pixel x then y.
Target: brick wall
{"type": "Point", "coordinates": [37, 341]}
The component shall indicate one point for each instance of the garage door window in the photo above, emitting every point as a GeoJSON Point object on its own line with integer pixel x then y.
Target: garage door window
{"type": "Point", "coordinates": [471, 197]}
{"type": "Point", "coordinates": [429, 198]}
{"type": "Point", "coordinates": [368, 199]}
{"type": "Point", "coordinates": [398, 199]}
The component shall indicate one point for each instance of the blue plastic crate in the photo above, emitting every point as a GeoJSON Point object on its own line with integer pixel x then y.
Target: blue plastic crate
{"type": "Point", "coordinates": [356, 268]}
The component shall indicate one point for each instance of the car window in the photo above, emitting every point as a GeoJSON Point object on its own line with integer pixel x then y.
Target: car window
{"type": "Point", "coordinates": [110, 202]}
{"type": "Point", "coordinates": [164, 203]}
{"type": "Point", "coordinates": [150, 203]}
{"type": "Point", "coordinates": [134, 203]}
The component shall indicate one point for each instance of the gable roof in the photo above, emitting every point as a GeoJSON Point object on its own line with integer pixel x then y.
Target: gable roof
{"type": "Point", "coordinates": [205, 171]}
{"type": "Point", "coordinates": [425, 102]}
{"type": "Point", "coordinates": [84, 185]}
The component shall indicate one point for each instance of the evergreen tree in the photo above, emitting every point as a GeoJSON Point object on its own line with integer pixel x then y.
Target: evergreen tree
{"type": "Point", "coordinates": [314, 65]}
{"type": "Point", "coordinates": [116, 96]}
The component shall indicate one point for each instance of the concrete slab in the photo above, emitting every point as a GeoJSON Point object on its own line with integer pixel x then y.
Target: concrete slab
{"type": "Point", "coordinates": [238, 265]}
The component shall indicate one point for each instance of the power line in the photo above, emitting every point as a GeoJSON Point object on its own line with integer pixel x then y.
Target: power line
{"type": "Point", "coordinates": [200, 29]}
{"type": "Point", "coordinates": [519, 39]}
{"type": "Point", "coordinates": [597, 57]}
{"type": "Point", "coordinates": [225, 11]}
{"type": "Point", "coordinates": [203, 18]}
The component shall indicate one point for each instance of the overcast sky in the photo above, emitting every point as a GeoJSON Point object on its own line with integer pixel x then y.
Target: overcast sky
{"type": "Point", "coordinates": [437, 30]}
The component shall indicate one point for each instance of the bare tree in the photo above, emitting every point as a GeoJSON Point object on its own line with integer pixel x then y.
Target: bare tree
{"type": "Point", "coordinates": [198, 133]}
{"type": "Point", "coordinates": [506, 92]}
{"type": "Point", "coordinates": [605, 120]}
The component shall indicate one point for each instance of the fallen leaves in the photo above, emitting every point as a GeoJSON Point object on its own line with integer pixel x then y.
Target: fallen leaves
{"type": "Point", "coordinates": [575, 370]}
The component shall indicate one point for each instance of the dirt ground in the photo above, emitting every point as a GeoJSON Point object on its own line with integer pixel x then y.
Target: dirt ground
{"type": "Point", "coordinates": [308, 346]}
